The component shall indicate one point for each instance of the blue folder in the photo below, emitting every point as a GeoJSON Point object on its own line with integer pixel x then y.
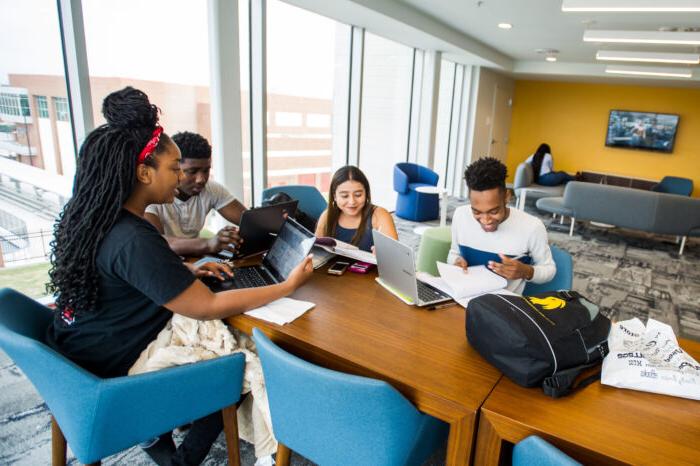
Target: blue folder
{"type": "Point", "coordinates": [478, 257]}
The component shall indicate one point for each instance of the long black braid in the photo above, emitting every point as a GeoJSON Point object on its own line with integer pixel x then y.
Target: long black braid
{"type": "Point", "coordinates": [104, 180]}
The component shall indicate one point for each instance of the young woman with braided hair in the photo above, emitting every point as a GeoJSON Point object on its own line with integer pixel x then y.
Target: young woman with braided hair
{"type": "Point", "coordinates": [116, 280]}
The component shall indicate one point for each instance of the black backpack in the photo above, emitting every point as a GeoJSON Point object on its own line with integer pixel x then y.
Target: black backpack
{"type": "Point", "coordinates": [306, 220]}
{"type": "Point", "coordinates": [545, 340]}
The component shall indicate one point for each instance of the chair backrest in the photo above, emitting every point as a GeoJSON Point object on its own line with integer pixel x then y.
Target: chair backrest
{"type": "Point", "coordinates": [335, 418]}
{"type": "Point", "coordinates": [417, 173]}
{"type": "Point", "coordinates": [311, 201]}
{"type": "Point", "coordinates": [563, 279]}
{"type": "Point", "coordinates": [69, 391]}
{"type": "Point", "coordinates": [534, 450]}
{"type": "Point", "coordinates": [523, 176]}
{"type": "Point", "coordinates": [674, 185]}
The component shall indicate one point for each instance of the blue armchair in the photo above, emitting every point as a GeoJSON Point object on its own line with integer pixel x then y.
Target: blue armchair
{"type": "Point", "coordinates": [310, 199]}
{"type": "Point", "coordinates": [533, 451]}
{"type": "Point", "coordinates": [100, 417]}
{"type": "Point", "coordinates": [411, 204]}
{"type": "Point", "coordinates": [674, 185]}
{"type": "Point", "coordinates": [340, 419]}
{"type": "Point", "coordinates": [563, 279]}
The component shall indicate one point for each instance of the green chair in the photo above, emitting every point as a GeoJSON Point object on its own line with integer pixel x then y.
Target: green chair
{"type": "Point", "coordinates": [434, 246]}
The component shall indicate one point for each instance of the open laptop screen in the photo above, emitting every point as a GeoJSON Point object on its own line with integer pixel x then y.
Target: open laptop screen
{"type": "Point", "coordinates": [292, 245]}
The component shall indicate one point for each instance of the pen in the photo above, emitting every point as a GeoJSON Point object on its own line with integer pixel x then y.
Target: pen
{"type": "Point", "coordinates": [440, 306]}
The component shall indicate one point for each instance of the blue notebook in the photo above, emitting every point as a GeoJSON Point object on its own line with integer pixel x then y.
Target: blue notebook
{"type": "Point", "coordinates": [478, 257]}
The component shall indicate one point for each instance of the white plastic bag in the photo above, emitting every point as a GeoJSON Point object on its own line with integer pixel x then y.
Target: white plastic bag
{"type": "Point", "coordinates": [649, 359]}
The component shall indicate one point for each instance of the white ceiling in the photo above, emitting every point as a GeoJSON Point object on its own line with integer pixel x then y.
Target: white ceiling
{"type": "Point", "coordinates": [542, 24]}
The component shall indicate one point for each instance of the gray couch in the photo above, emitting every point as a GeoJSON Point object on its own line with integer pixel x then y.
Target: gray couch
{"type": "Point", "coordinates": [525, 187]}
{"type": "Point", "coordinates": [636, 209]}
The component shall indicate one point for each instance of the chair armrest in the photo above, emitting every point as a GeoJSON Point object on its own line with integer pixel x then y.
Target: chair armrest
{"type": "Point", "coordinates": [136, 408]}
{"type": "Point", "coordinates": [400, 181]}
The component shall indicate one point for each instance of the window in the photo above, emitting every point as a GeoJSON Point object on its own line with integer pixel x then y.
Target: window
{"type": "Point", "coordinates": [244, 58]}
{"type": "Point", "coordinates": [31, 72]}
{"type": "Point", "coordinates": [14, 105]}
{"type": "Point", "coordinates": [171, 66]}
{"type": "Point", "coordinates": [386, 101]}
{"type": "Point", "coordinates": [61, 107]}
{"type": "Point", "coordinates": [307, 81]}
{"type": "Point", "coordinates": [42, 106]}
{"type": "Point", "coordinates": [443, 136]}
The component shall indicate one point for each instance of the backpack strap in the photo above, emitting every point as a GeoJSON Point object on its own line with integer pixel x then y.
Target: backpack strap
{"type": "Point", "coordinates": [562, 383]}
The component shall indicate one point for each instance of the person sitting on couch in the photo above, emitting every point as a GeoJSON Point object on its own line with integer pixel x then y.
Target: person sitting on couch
{"type": "Point", "coordinates": [543, 168]}
{"type": "Point", "coordinates": [510, 242]}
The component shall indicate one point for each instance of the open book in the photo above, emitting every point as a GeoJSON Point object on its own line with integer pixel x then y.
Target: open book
{"type": "Point", "coordinates": [345, 249]}
{"type": "Point", "coordinates": [464, 286]}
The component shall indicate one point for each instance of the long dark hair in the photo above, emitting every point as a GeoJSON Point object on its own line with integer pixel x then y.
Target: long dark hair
{"type": "Point", "coordinates": [346, 173]}
{"type": "Point", "coordinates": [104, 180]}
{"type": "Point", "coordinates": [537, 159]}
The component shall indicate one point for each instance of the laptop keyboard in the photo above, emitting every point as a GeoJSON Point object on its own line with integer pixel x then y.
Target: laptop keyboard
{"type": "Point", "coordinates": [427, 293]}
{"type": "Point", "coordinates": [248, 277]}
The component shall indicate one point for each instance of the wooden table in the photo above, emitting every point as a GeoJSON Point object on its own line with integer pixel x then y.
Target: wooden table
{"type": "Point", "coordinates": [597, 425]}
{"type": "Point", "coordinates": [358, 327]}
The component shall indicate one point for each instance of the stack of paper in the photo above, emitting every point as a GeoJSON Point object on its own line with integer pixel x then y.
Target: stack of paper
{"type": "Point", "coordinates": [281, 311]}
{"type": "Point", "coordinates": [461, 286]}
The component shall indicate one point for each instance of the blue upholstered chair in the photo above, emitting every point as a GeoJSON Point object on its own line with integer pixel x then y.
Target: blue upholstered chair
{"type": "Point", "coordinates": [100, 417]}
{"type": "Point", "coordinates": [533, 451]}
{"type": "Point", "coordinates": [340, 419]}
{"type": "Point", "coordinates": [674, 185]}
{"type": "Point", "coordinates": [411, 204]}
{"type": "Point", "coordinates": [311, 201]}
{"type": "Point", "coordinates": [564, 278]}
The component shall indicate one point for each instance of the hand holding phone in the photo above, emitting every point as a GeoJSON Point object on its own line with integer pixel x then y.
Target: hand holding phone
{"type": "Point", "coordinates": [338, 268]}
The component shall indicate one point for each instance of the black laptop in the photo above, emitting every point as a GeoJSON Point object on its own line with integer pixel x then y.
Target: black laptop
{"type": "Point", "coordinates": [259, 227]}
{"type": "Point", "coordinates": [291, 245]}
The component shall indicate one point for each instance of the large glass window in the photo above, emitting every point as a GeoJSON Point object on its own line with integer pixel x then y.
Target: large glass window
{"type": "Point", "coordinates": [307, 81]}
{"type": "Point", "coordinates": [443, 136]}
{"type": "Point", "coordinates": [384, 124]}
{"type": "Point", "coordinates": [37, 155]}
{"type": "Point", "coordinates": [244, 57]}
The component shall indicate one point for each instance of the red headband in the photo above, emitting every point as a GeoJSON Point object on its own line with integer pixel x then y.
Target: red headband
{"type": "Point", "coordinates": [151, 144]}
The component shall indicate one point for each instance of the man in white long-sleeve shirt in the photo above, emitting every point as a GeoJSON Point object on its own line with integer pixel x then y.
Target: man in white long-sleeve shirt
{"type": "Point", "coordinates": [487, 232]}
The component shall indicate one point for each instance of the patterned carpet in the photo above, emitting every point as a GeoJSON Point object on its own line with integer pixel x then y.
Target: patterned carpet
{"type": "Point", "coordinates": [627, 273]}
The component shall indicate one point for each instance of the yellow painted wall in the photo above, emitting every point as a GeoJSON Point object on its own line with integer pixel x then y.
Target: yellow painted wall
{"type": "Point", "coordinates": [572, 118]}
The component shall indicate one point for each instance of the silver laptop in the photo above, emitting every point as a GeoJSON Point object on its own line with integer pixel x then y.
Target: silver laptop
{"type": "Point", "coordinates": [397, 273]}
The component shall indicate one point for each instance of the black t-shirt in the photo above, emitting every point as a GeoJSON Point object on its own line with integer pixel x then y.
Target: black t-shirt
{"type": "Point", "coordinates": [137, 273]}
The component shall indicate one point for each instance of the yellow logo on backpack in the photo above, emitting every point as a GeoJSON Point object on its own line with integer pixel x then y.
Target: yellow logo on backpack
{"type": "Point", "coordinates": [549, 303]}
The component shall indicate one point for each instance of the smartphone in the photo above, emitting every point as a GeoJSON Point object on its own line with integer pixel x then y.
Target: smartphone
{"type": "Point", "coordinates": [338, 268]}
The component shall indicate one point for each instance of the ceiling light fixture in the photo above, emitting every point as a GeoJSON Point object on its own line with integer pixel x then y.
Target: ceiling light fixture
{"type": "Point", "coordinates": [648, 57]}
{"type": "Point", "coordinates": [549, 54]}
{"type": "Point", "coordinates": [649, 71]}
{"type": "Point", "coordinates": [643, 37]}
{"type": "Point", "coordinates": [505, 25]}
{"type": "Point", "coordinates": [630, 6]}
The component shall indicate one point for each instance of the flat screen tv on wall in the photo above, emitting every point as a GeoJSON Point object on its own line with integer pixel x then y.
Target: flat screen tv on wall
{"type": "Point", "coordinates": [642, 130]}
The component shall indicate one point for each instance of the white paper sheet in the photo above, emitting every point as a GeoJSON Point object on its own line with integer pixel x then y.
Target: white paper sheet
{"type": "Point", "coordinates": [477, 280]}
{"type": "Point", "coordinates": [463, 287]}
{"type": "Point", "coordinates": [281, 311]}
